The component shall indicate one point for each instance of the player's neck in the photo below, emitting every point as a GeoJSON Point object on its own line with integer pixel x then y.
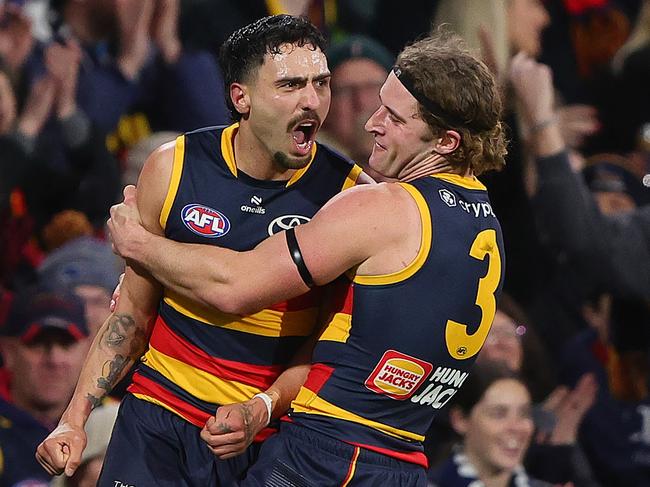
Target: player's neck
{"type": "Point", "coordinates": [433, 164]}
{"type": "Point", "coordinates": [252, 158]}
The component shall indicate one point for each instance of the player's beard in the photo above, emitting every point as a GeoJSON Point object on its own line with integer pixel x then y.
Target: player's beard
{"type": "Point", "coordinates": [283, 160]}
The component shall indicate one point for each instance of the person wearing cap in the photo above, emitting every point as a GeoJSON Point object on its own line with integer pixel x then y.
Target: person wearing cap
{"type": "Point", "coordinates": [43, 346]}
{"type": "Point", "coordinates": [359, 66]}
{"type": "Point", "coordinates": [423, 261]}
{"type": "Point", "coordinates": [86, 267]}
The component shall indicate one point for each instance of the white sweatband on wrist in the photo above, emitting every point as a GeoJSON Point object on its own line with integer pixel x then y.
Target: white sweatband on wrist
{"type": "Point", "coordinates": [269, 404]}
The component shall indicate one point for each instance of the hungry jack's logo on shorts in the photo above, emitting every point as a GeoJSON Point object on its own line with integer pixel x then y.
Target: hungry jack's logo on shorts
{"type": "Point", "coordinates": [398, 375]}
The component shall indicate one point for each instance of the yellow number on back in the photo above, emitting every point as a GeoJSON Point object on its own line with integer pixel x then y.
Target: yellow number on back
{"type": "Point", "coordinates": [460, 344]}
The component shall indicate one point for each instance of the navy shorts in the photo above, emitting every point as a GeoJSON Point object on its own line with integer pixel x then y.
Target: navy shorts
{"type": "Point", "coordinates": [152, 447]}
{"type": "Point", "coordinates": [299, 457]}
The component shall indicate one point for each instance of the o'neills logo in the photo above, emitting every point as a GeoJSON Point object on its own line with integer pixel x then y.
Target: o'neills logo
{"type": "Point", "coordinates": [398, 375]}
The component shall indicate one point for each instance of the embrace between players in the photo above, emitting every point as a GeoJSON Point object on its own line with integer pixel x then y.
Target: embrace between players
{"type": "Point", "coordinates": [229, 314]}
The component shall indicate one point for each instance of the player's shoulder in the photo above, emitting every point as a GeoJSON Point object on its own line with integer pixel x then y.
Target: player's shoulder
{"type": "Point", "coordinates": [160, 161]}
{"type": "Point", "coordinates": [371, 200]}
{"type": "Point", "coordinates": [329, 151]}
{"type": "Point", "coordinates": [333, 157]}
{"type": "Point", "coordinates": [336, 168]}
{"type": "Point", "coordinates": [211, 131]}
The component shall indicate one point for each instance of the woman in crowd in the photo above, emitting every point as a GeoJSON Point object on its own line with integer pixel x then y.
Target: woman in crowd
{"type": "Point", "coordinates": [492, 413]}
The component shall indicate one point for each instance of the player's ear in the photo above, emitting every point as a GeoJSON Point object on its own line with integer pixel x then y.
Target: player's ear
{"type": "Point", "coordinates": [240, 98]}
{"type": "Point", "coordinates": [448, 142]}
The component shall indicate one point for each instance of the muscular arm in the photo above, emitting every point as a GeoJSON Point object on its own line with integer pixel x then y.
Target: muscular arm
{"type": "Point", "coordinates": [120, 341]}
{"type": "Point", "coordinates": [123, 337]}
{"type": "Point", "coordinates": [118, 345]}
{"type": "Point", "coordinates": [344, 233]}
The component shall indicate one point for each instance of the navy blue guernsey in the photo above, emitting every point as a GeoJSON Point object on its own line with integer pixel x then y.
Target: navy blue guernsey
{"type": "Point", "coordinates": [200, 358]}
{"type": "Point", "coordinates": [399, 346]}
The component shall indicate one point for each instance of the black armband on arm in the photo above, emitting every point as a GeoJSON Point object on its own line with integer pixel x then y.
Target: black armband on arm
{"type": "Point", "coordinates": [296, 256]}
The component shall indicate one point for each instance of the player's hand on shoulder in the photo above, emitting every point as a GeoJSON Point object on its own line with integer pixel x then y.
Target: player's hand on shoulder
{"type": "Point", "coordinates": [233, 427]}
{"type": "Point", "coordinates": [61, 451]}
{"type": "Point", "coordinates": [125, 226]}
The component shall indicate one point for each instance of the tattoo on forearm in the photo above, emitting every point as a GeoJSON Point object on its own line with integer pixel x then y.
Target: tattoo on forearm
{"type": "Point", "coordinates": [127, 341]}
{"type": "Point", "coordinates": [112, 375]}
{"type": "Point", "coordinates": [118, 329]}
{"type": "Point", "coordinates": [124, 335]}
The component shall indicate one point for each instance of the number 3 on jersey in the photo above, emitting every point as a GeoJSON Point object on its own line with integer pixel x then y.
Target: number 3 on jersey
{"type": "Point", "coordinates": [460, 344]}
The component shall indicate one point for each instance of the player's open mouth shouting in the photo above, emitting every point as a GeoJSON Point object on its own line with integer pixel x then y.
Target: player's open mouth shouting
{"type": "Point", "coordinates": [304, 134]}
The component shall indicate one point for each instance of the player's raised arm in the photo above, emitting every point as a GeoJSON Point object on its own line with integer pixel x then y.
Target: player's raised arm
{"type": "Point", "coordinates": [120, 341]}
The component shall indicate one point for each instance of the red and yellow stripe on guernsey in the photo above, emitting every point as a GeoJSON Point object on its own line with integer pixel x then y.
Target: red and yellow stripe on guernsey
{"type": "Point", "coordinates": [339, 325]}
{"type": "Point", "coordinates": [148, 390]}
{"type": "Point", "coordinates": [353, 467]}
{"type": "Point", "coordinates": [201, 375]}
{"type": "Point", "coordinates": [208, 378]}
{"type": "Point", "coordinates": [293, 318]}
{"type": "Point", "coordinates": [309, 402]}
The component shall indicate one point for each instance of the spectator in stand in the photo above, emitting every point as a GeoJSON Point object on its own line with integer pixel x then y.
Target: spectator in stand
{"type": "Point", "coordinates": [88, 268]}
{"type": "Point", "coordinates": [359, 66]}
{"type": "Point", "coordinates": [617, 245]}
{"type": "Point", "coordinates": [89, 178]}
{"type": "Point", "coordinates": [555, 455]}
{"type": "Point", "coordinates": [16, 39]}
{"type": "Point", "coordinates": [134, 62]}
{"type": "Point", "coordinates": [492, 413]}
{"type": "Point", "coordinates": [614, 433]}
{"type": "Point", "coordinates": [140, 151]}
{"type": "Point", "coordinates": [33, 189]}
{"type": "Point", "coordinates": [628, 102]}
{"type": "Point", "coordinates": [43, 347]}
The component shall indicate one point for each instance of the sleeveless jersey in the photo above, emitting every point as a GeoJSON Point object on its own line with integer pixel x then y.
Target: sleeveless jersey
{"type": "Point", "coordinates": [397, 347]}
{"type": "Point", "coordinates": [199, 358]}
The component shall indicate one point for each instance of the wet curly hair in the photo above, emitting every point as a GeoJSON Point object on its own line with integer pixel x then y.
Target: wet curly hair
{"type": "Point", "coordinates": [444, 71]}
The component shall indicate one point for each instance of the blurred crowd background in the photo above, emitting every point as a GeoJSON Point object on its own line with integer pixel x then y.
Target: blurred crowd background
{"type": "Point", "coordinates": [88, 88]}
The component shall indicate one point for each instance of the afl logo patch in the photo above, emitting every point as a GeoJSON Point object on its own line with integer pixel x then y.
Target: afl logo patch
{"type": "Point", "coordinates": [286, 222]}
{"type": "Point", "coordinates": [205, 221]}
{"type": "Point", "coordinates": [398, 375]}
